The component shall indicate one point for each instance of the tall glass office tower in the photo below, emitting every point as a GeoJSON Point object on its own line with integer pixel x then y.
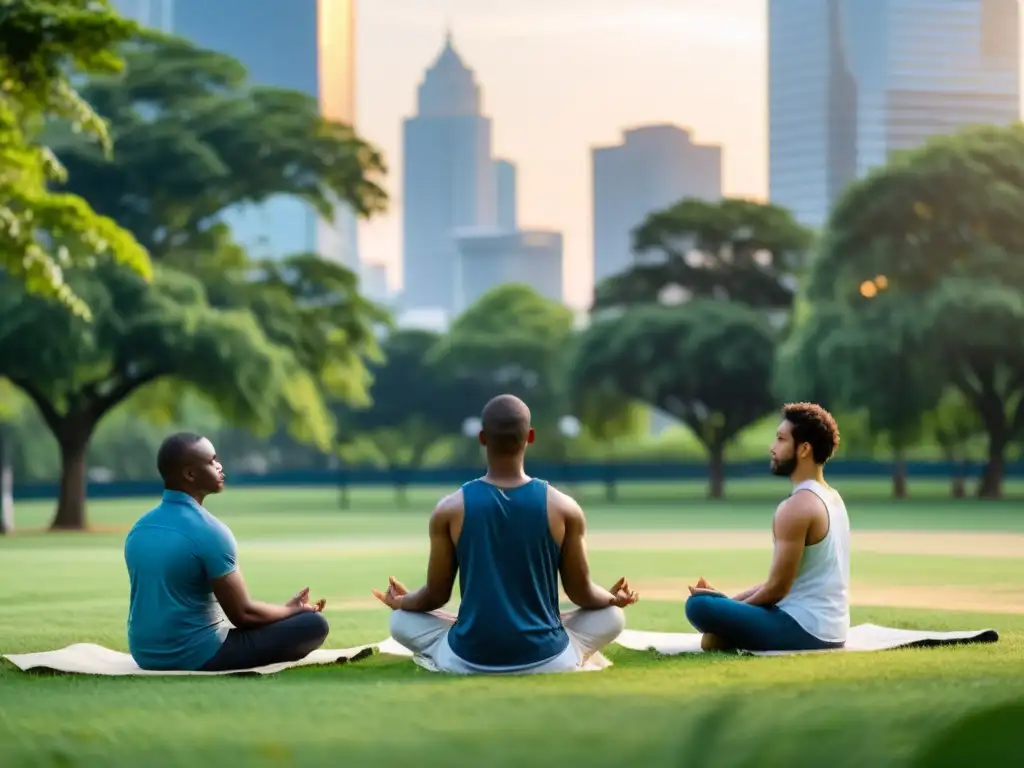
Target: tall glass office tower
{"type": "Point", "coordinates": [851, 81]}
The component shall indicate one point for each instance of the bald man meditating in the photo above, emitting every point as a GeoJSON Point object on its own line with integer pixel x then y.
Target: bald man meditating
{"type": "Point", "coordinates": [509, 537]}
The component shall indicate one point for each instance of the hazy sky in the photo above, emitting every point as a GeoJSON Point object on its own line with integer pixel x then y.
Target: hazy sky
{"type": "Point", "coordinates": [560, 76]}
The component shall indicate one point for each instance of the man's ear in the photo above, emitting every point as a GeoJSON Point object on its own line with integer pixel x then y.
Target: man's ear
{"type": "Point", "coordinates": [803, 450]}
{"type": "Point", "coordinates": [530, 437]}
{"type": "Point", "coordinates": [482, 438]}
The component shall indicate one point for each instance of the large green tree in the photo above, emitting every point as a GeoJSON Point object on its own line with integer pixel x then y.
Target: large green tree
{"type": "Point", "coordinates": [735, 249]}
{"type": "Point", "coordinates": [192, 139]}
{"type": "Point", "coordinates": [707, 363]}
{"type": "Point", "coordinates": [937, 229]}
{"type": "Point", "coordinates": [181, 119]}
{"type": "Point", "coordinates": [414, 404]}
{"type": "Point", "coordinates": [43, 232]}
{"type": "Point", "coordinates": [75, 371]}
{"type": "Point", "coordinates": [512, 340]}
{"type": "Point", "coordinates": [861, 362]}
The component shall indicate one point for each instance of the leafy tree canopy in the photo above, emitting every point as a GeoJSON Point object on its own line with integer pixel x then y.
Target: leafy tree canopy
{"type": "Point", "coordinates": [735, 250]}
{"type": "Point", "coordinates": [937, 231]}
{"type": "Point", "coordinates": [708, 363]}
{"type": "Point", "coordinates": [42, 232]}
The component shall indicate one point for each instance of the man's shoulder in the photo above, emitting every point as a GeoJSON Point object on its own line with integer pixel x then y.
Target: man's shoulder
{"type": "Point", "coordinates": [562, 503]}
{"type": "Point", "coordinates": [453, 503]}
{"type": "Point", "coordinates": [803, 505]}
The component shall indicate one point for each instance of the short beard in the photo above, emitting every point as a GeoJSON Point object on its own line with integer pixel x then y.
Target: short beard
{"type": "Point", "coordinates": [785, 467]}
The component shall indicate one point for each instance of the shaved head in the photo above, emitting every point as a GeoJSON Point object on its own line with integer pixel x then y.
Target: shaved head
{"type": "Point", "coordinates": [505, 425]}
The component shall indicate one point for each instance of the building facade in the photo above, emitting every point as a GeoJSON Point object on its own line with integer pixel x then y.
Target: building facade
{"type": "Point", "coordinates": [448, 180]}
{"type": "Point", "coordinates": [652, 168]}
{"type": "Point", "coordinates": [852, 81]}
{"type": "Point", "coordinates": [505, 177]}
{"type": "Point", "coordinates": [489, 258]}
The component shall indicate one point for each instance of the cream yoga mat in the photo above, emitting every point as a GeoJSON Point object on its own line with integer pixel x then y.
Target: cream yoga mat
{"type": "Point", "coordinates": [863, 637]}
{"type": "Point", "coordinates": [88, 659]}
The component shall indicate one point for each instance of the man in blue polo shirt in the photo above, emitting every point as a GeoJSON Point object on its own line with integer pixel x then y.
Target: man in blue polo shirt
{"type": "Point", "coordinates": [185, 581]}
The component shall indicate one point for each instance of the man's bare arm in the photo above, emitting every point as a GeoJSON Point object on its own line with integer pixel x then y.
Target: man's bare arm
{"type": "Point", "coordinates": [575, 567]}
{"type": "Point", "coordinates": [791, 525]}
{"type": "Point", "coordinates": [442, 565]}
{"type": "Point", "coordinates": [244, 612]}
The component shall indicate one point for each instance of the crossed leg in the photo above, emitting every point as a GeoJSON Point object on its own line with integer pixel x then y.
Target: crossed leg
{"type": "Point", "coordinates": [289, 639]}
{"type": "Point", "coordinates": [729, 625]}
{"type": "Point", "coordinates": [426, 635]}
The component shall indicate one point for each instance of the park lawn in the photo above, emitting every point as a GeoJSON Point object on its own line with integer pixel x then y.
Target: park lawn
{"type": "Point", "coordinates": [845, 709]}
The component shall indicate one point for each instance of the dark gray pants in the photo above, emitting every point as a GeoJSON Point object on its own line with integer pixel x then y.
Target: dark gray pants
{"type": "Point", "coordinates": [287, 640]}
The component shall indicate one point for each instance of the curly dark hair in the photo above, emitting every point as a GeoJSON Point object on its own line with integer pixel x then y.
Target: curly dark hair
{"type": "Point", "coordinates": [815, 426]}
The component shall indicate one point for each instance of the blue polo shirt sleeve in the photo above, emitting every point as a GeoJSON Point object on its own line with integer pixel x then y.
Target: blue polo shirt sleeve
{"type": "Point", "coordinates": [217, 551]}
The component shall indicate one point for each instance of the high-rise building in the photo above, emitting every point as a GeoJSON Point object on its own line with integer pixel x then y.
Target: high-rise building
{"type": "Point", "coordinates": [851, 81]}
{"type": "Point", "coordinates": [507, 192]}
{"type": "Point", "coordinates": [654, 167]}
{"type": "Point", "coordinates": [448, 179]}
{"type": "Point", "coordinates": [302, 45]}
{"type": "Point", "coordinates": [374, 282]}
{"type": "Point", "coordinates": [489, 258]}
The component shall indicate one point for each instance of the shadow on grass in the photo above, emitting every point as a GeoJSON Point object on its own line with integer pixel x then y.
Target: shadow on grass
{"type": "Point", "coordinates": [990, 738]}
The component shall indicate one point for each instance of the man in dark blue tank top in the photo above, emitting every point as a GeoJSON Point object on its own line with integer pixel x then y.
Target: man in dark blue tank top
{"type": "Point", "coordinates": [508, 537]}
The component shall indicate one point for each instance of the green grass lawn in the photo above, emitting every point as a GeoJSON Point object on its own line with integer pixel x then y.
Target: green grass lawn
{"type": "Point", "coordinates": [873, 710]}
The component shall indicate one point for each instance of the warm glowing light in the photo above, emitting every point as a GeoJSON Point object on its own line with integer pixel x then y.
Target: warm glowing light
{"type": "Point", "coordinates": [868, 289]}
{"type": "Point", "coordinates": [336, 60]}
{"type": "Point", "coordinates": [882, 282]}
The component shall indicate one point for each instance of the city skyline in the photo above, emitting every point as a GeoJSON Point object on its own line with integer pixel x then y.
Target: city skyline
{"type": "Point", "coordinates": [552, 96]}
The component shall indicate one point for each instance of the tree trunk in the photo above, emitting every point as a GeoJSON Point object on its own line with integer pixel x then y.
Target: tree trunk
{"type": "Point", "coordinates": [74, 445]}
{"type": "Point", "coordinates": [716, 471]}
{"type": "Point", "coordinates": [899, 474]}
{"type": "Point", "coordinates": [958, 481]}
{"type": "Point", "coordinates": [958, 485]}
{"type": "Point", "coordinates": [991, 484]}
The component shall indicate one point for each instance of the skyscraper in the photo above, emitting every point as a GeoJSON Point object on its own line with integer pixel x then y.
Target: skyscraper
{"type": "Point", "coordinates": [302, 45]}
{"type": "Point", "coordinates": [507, 195]}
{"type": "Point", "coordinates": [489, 258]}
{"type": "Point", "coordinates": [851, 81]}
{"type": "Point", "coordinates": [448, 179]}
{"type": "Point", "coordinates": [654, 167]}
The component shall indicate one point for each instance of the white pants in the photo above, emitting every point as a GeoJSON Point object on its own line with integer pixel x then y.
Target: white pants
{"type": "Point", "coordinates": [426, 635]}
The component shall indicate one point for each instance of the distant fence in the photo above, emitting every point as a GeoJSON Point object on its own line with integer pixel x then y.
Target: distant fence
{"type": "Point", "coordinates": [607, 474]}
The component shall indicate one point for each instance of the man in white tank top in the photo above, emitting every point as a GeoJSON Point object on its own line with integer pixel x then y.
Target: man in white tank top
{"type": "Point", "coordinates": [804, 603]}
